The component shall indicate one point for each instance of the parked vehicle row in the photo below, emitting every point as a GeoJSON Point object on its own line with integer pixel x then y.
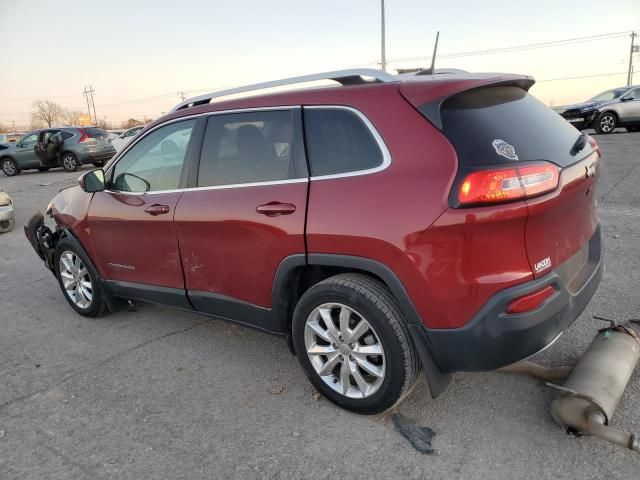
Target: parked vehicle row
{"type": "Point", "coordinates": [67, 147]}
{"type": "Point", "coordinates": [619, 107]}
{"type": "Point", "coordinates": [382, 227]}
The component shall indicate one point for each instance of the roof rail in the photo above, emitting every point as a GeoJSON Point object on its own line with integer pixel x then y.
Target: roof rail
{"type": "Point", "coordinates": [344, 77]}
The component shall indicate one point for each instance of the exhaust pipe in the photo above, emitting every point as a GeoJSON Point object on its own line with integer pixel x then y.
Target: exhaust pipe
{"type": "Point", "coordinates": [593, 389]}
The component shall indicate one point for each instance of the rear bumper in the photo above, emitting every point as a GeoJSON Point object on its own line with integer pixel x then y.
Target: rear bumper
{"type": "Point", "coordinates": [493, 338]}
{"type": "Point", "coordinates": [100, 156]}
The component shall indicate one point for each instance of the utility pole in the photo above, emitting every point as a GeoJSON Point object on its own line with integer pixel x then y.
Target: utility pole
{"type": "Point", "coordinates": [383, 55]}
{"type": "Point", "coordinates": [435, 51]}
{"type": "Point", "coordinates": [631, 51]}
{"type": "Point", "coordinates": [181, 95]}
{"type": "Point", "coordinates": [14, 125]}
{"type": "Point", "coordinates": [88, 91]}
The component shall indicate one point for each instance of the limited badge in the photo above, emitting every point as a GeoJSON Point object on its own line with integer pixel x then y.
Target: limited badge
{"type": "Point", "coordinates": [504, 149]}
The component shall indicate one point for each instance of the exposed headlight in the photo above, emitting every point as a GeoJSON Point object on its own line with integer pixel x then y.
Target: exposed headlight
{"type": "Point", "coordinates": [49, 208]}
{"type": "Point", "coordinates": [5, 200]}
{"type": "Point", "coordinates": [586, 109]}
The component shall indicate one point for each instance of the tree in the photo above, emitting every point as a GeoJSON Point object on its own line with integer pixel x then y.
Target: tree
{"type": "Point", "coordinates": [72, 117]}
{"type": "Point", "coordinates": [3, 128]}
{"type": "Point", "coordinates": [46, 112]}
{"type": "Point", "coordinates": [132, 122]}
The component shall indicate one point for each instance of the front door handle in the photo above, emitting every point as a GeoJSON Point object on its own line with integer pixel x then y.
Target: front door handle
{"type": "Point", "coordinates": [273, 209]}
{"type": "Point", "coordinates": [156, 209]}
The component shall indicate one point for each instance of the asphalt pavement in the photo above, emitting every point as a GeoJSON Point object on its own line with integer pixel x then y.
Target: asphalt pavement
{"type": "Point", "coordinates": [163, 394]}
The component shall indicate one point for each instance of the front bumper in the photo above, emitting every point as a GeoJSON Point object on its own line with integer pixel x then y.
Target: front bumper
{"type": "Point", "coordinates": [580, 120]}
{"type": "Point", "coordinates": [41, 238]}
{"type": "Point", "coordinates": [7, 219]}
{"type": "Point", "coordinates": [493, 338]}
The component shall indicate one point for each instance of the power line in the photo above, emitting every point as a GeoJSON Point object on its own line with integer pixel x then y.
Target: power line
{"type": "Point", "coordinates": [517, 48]}
{"type": "Point", "coordinates": [580, 77]}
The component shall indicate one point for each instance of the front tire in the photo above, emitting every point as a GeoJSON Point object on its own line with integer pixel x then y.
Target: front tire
{"type": "Point", "coordinates": [70, 162]}
{"type": "Point", "coordinates": [78, 280]}
{"type": "Point", "coordinates": [606, 122]}
{"type": "Point", "coordinates": [353, 343]}
{"type": "Point", "coordinates": [9, 167]}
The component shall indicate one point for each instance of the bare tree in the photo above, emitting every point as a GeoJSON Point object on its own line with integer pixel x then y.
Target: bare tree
{"type": "Point", "coordinates": [46, 112]}
{"type": "Point", "coordinates": [72, 117]}
{"type": "Point", "coordinates": [3, 128]}
{"type": "Point", "coordinates": [132, 122]}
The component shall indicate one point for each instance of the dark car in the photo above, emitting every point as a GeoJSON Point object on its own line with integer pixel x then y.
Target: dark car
{"type": "Point", "coordinates": [444, 222]}
{"type": "Point", "coordinates": [619, 107]}
{"type": "Point", "coordinates": [67, 147]}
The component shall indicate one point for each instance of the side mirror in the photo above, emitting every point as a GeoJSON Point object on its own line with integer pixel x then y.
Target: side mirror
{"type": "Point", "coordinates": [626, 99]}
{"type": "Point", "coordinates": [92, 181]}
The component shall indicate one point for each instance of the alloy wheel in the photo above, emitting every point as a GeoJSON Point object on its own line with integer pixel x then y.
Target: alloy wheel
{"type": "Point", "coordinates": [76, 280]}
{"type": "Point", "coordinates": [344, 350]}
{"type": "Point", "coordinates": [8, 167]}
{"type": "Point", "coordinates": [607, 123]}
{"type": "Point", "coordinates": [69, 162]}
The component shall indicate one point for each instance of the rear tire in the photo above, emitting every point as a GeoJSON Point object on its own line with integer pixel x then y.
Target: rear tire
{"type": "Point", "coordinates": [343, 360]}
{"type": "Point", "coordinates": [606, 123]}
{"type": "Point", "coordinates": [9, 167]}
{"type": "Point", "coordinates": [70, 162]}
{"type": "Point", "coordinates": [78, 280]}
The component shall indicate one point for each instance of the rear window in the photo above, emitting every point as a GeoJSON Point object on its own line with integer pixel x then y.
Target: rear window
{"type": "Point", "coordinates": [338, 142]}
{"type": "Point", "coordinates": [96, 132]}
{"type": "Point", "coordinates": [503, 124]}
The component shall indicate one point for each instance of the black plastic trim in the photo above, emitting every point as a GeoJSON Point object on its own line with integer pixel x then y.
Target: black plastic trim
{"type": "Point", "coordinates": [223, 306]}
{"type": "Point", "coordinates": [173, 297]}
{"type": "Point", "coordinates": [277, 316]}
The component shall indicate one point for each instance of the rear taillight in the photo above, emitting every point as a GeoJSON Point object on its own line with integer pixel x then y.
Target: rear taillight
{"type": "Point", "coordinates": [83, 136]}
{"type": "Point", "coordinates": [507, 184]}
{"type": "Point", "coordinates": [594, 145]}
{"type": "Point", "coordinates": [531, 301]}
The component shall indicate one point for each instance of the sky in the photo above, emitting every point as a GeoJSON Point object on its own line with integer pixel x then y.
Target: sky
{"type": "Point", "coordinates": [132, 50]}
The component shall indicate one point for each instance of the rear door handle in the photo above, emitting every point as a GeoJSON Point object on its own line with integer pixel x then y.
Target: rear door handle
{"type": "Point", "coordinates": [156, 209]}
{"type": "Point", "coordinates": [273, 209]}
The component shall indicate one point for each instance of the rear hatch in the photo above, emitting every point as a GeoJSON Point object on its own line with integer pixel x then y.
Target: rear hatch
{"type": "Point", "coordinates": [501, 128]}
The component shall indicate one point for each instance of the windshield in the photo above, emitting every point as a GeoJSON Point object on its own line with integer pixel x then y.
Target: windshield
{"type": "Point", "coordinates": [608, 95]}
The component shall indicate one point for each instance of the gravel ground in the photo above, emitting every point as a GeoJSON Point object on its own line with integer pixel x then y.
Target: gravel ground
{"type": "Point", "coordinates": [159, 393]}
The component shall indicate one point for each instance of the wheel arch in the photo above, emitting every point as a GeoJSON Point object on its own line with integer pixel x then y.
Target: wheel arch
{"type": "Point", "coordinates": [296, 274]}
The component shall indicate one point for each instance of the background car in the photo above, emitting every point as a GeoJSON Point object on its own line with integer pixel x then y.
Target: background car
{"type": "Point", "coordinates": [67, 147]}
{"type": "Point", "coordinates": [619, 107]}
{"type": "Point", "coordinates": [9, 137]}
{"type": "Point", "coordinates": [7, 219]}
{"type": "Point", "coordinates": [123, 139]}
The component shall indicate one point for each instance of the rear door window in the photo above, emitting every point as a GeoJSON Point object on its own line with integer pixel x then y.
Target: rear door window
{"type": "Point", "coordinates": [504, 124]}
{"type": "Point", "coordinates": [338, 141]}
{"type": "Point", "coordinates": [251, 147]}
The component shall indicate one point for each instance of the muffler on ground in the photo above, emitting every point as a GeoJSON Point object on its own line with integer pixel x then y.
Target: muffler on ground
{"type": "Point", "coordinates": [593, 388]}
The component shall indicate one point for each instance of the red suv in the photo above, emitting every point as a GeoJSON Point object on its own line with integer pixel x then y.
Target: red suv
{"type": "Point", "coordinates": [441, 222]}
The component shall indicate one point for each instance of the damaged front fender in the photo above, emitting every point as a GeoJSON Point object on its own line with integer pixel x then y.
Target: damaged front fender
{"type": "Point", "coordinates": [42, 239]}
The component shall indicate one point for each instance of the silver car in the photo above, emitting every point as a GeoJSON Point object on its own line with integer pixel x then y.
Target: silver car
{"type": "Point", "coordinates": [618, 107]}
{"type": "Point", "coordinates": [67, 147]}
{"type": "Point", "coordinates": [7, 219]}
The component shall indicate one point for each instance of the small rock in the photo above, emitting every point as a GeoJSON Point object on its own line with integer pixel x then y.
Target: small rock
{"type": "Point", "coordinates": [1, 433]}
{"type": "Point", "coordinates": [316, 396]}
{"type": "Point", "coordinates": [277, 390]}
{"type": "Point", "coordinates": [37, 365]}
{"type": "Point", "coordinates": [616, 236]}
{"type": "Point", "coordinates": [295, 434]}
{"type": "Point", "coordinates": [179, 369]}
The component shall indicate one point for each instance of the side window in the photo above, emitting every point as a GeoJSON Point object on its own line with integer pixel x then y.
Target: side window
{"type": "Point", "coordinates": [635, 94]}
{"type": "Point", "coordinates": [66, 135]}
{"type": "Point", "coordinates": [259, 146]}
{"type": "Point", "coordinates": [29, 140]}
{"type": "Point", "coordinates": [338, 142]}
{"type": "Point", "coordinates": [155, 162]}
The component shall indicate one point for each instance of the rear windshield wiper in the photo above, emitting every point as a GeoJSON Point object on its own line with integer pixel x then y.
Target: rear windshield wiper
{"type": "Point", "coordinates": [581, 142]}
